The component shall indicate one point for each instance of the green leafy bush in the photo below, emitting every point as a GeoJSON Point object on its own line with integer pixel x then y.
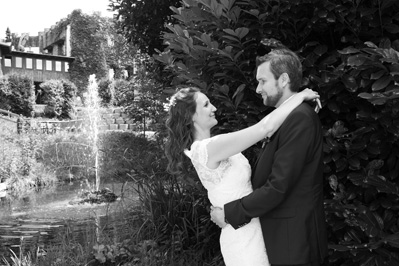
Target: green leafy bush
{"type": "Point", "coordinates": [20, 166]}
{"type": "Point", "coordinates": [4, 93]}
{"type": "Point", "coordinates": [58, 96]}
{"type": "Point", "coordinates": [175, 210]}
{"type": "Point", "coordinates": [70, 155]}
{"type": "Point", "coordinates": [124, 92]}
{"type": "Point", "coordinates": [17, 94]}
{"type": "Point", "coordinates": [106, 92]}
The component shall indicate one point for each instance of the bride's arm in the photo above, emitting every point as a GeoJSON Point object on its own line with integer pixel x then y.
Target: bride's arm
{"type": "Point", "coordinates": [226, 145]}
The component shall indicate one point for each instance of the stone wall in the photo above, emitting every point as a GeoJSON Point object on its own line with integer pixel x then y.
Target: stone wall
{"type": "Point", "coordinates": [110, 119]}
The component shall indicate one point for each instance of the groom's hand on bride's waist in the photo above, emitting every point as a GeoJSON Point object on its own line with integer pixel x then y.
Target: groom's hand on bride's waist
{"type": "Point", "coordinates": [217, 216]}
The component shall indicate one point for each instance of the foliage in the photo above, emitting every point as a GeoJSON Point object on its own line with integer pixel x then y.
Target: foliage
{"type": "Point", "coordinates": [121, 54]}
{"type": "Point", "coordinates": [70, 155]}
{"type": "Point", "coordinates": [17, 94]}
{"type": "Point", "coordinates": [177, 207]}
{"type": "Point", "coordinates": [175, 223]}
{"type": "Point", "coordinates": [4, 93]}
{"type": "Point", "coordinates": [141, 22]}
{"type": "Point", "coordinates": [8, 35]}
{"type": "Point", "coordinates": [19, 167]}
{"type": "Point", "coordinates": [349, 51]}
{"type": "Point", "coordinates": [58, 96]}
{"type": "Point", "coordinates": [124, 92]}
{"type": "Point", "coordinates": [361, 156]}
{"type": "Point", "coordinates": [106, 92]}
{"type": "Point", "coordinates": [88, 47]}
{"type": "Point", "coordinates": [147, 106]}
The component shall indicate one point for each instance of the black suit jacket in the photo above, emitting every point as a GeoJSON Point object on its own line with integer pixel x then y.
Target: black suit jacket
{"type": "Point", "coordinates": [288, 192]}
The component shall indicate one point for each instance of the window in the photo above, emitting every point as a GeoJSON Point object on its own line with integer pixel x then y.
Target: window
{"type": "Point", "coordinates": [29, 63]}
{"type": "Point", "coordinates": [39, 64]}
{"type": "Point", "coordinates": [49, 65]}
{"type": "Point", "coordinates": [18, 62]}
{"type": "Point", "coordinates": [57, 66]}
{"type": "Point", "coordinates": [66, 66]}
{"type": "Point", "coordinates": [7, 61]}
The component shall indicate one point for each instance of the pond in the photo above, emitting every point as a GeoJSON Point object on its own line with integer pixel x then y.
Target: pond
{"type": "Point", "coordinates": [33, 222]}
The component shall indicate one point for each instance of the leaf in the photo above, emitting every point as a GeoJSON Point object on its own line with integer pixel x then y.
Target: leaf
{"type": "Point", "coordinates": [333, 106]}
{"type": "Point", "coordinates": [357, 60]}
{"type": "Point", "coordinates": [242, 32]}
{"type": "Point", "coordinates": [392, 28]}
{"type": "Point", "coordinates": [356, 178]}
{"type": "Point", "coordinates": [230, 31]}
{"type": "Point", "coordinates": [339, 247]}
{"type": "Point", "coordinates": [239, 90]}
{"type": "Point", "coordinates": [232, 38]}
{"type": "Point", "coordinates": [392, 240]}
{"type": "Point", "coordinates": [377, 75]}
{"type": "Point", "coordinates": [332, 180]}
{"type": "Point", "coordinates": [349, 50]}
{"type": "Point", "coordinates": [371, 45]}
{"type": "Point", "coordinates": [381, 185]}
{"type": "Point", "coordinates": [224, 89]}
{"type": "Point", "coordinates": [320, 50]}
{"type": "Point", "coordinates": [354, 163]}
{"type": "Point", "coordinates": [349, 82]}
{"type": "Point", "coordinates": [206, 39]}
{"type": "Point", "coordinates": [381, 83]}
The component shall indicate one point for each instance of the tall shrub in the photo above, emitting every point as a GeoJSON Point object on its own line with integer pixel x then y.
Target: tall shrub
{"type": "Point", "coordinates": [124, 92]}
{"type": "Point", "coordinates": [4, 93]}
{"type": "Point", "coordinates": [87, 42]}
{"type": "Point", "coordinates": [58, 96]}
{"type": "Point", "coordinates": [19, 94]}
{"type": "Point", "coordinates": [106, 91]}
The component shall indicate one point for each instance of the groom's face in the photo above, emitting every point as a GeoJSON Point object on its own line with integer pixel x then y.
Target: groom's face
{"type": "Point", "coordinates": [268, 86]}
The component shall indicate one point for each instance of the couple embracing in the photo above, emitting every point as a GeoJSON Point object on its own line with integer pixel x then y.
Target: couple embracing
{"type": "Point", "coordinates": [274, 214]}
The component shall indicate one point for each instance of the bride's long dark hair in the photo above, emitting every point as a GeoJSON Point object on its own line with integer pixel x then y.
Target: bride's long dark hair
{"type": "Point", "coordinates": [179, 124]}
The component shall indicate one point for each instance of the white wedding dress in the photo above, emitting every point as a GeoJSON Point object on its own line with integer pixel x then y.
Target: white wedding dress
{"type": "Point", "coordinates": [231, 181]}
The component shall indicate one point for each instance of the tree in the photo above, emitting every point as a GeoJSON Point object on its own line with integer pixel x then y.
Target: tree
{"type": "Point", "coordinates": [8, 35]}
{"type": "Point", "coordinates": [120, 54]}
{"type": "Point", "coordinates": [142, 22]}
{"type": "Point", "coordinates": [88, 47]}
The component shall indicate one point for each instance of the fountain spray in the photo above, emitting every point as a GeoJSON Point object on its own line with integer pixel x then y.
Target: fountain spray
{"type": "Point", "coordinates": [92, 102]}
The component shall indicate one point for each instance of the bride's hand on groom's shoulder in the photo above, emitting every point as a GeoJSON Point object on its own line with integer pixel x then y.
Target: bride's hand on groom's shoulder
{"type": "Point", "coordinates": [217, 216]}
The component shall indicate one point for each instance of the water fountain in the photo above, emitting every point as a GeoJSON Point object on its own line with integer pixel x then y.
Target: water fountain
{"type": "Point", "coordinates": [92, 102]}
{"type": "Point", "coordinates": [34, 220]}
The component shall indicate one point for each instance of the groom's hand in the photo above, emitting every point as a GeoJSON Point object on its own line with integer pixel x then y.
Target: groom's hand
{"type": "Point", "coordinates": [217, 216]}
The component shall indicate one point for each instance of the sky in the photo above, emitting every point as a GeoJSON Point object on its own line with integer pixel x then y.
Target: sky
{"type": "Point", "coordinates": [32, 16]}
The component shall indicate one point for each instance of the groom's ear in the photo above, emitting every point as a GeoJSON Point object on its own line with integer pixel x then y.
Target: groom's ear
{"type": "Point", "coordinates": [284, 79]}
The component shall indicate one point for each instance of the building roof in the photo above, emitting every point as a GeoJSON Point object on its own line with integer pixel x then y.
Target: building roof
{"type": "Point", "coordinates": [5, 47]}
{"type": "Point", "coordinates": [43, 56]}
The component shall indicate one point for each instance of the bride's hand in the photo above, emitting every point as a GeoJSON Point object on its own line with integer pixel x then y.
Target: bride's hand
{"type": "Point", "coordinates": [309, 94]}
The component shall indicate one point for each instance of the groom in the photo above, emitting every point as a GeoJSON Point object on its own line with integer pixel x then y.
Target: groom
{"type": "Point", "coordinates": [288, 177]}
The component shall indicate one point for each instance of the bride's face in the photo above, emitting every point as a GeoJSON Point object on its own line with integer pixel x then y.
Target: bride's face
{"type": "Point", "coordinates": [204, 116]}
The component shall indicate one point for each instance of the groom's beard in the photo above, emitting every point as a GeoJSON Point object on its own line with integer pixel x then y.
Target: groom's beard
{"type": "Point", "coordinates": [272, 100]}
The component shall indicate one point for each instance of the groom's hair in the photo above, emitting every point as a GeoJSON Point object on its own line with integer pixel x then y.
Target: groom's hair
{"type": "Point", "coordinates": [283, 60]}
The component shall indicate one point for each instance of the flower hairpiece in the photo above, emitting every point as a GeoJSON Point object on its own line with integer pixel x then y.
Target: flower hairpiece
{"type": "Point", "coordinates": [172, 102]}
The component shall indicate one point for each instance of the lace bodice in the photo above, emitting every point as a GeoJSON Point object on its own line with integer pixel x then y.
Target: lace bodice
{"type": "Point", "coordinates": [229, 181]}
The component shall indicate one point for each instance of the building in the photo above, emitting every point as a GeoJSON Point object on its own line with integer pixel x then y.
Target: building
{"type": "Point", "coordinates": [43, 57]}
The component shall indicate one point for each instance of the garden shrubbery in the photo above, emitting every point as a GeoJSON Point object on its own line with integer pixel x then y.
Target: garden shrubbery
{"type": "Point", "coordinates": [58, 95]}
{"type": "Point", "coordinates": [20, 166]}
{"type": "Point", "coordinates": [17, 94]}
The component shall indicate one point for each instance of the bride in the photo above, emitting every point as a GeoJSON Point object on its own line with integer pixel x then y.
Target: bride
{"type": "Point", "coordinates": [222, 169]}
